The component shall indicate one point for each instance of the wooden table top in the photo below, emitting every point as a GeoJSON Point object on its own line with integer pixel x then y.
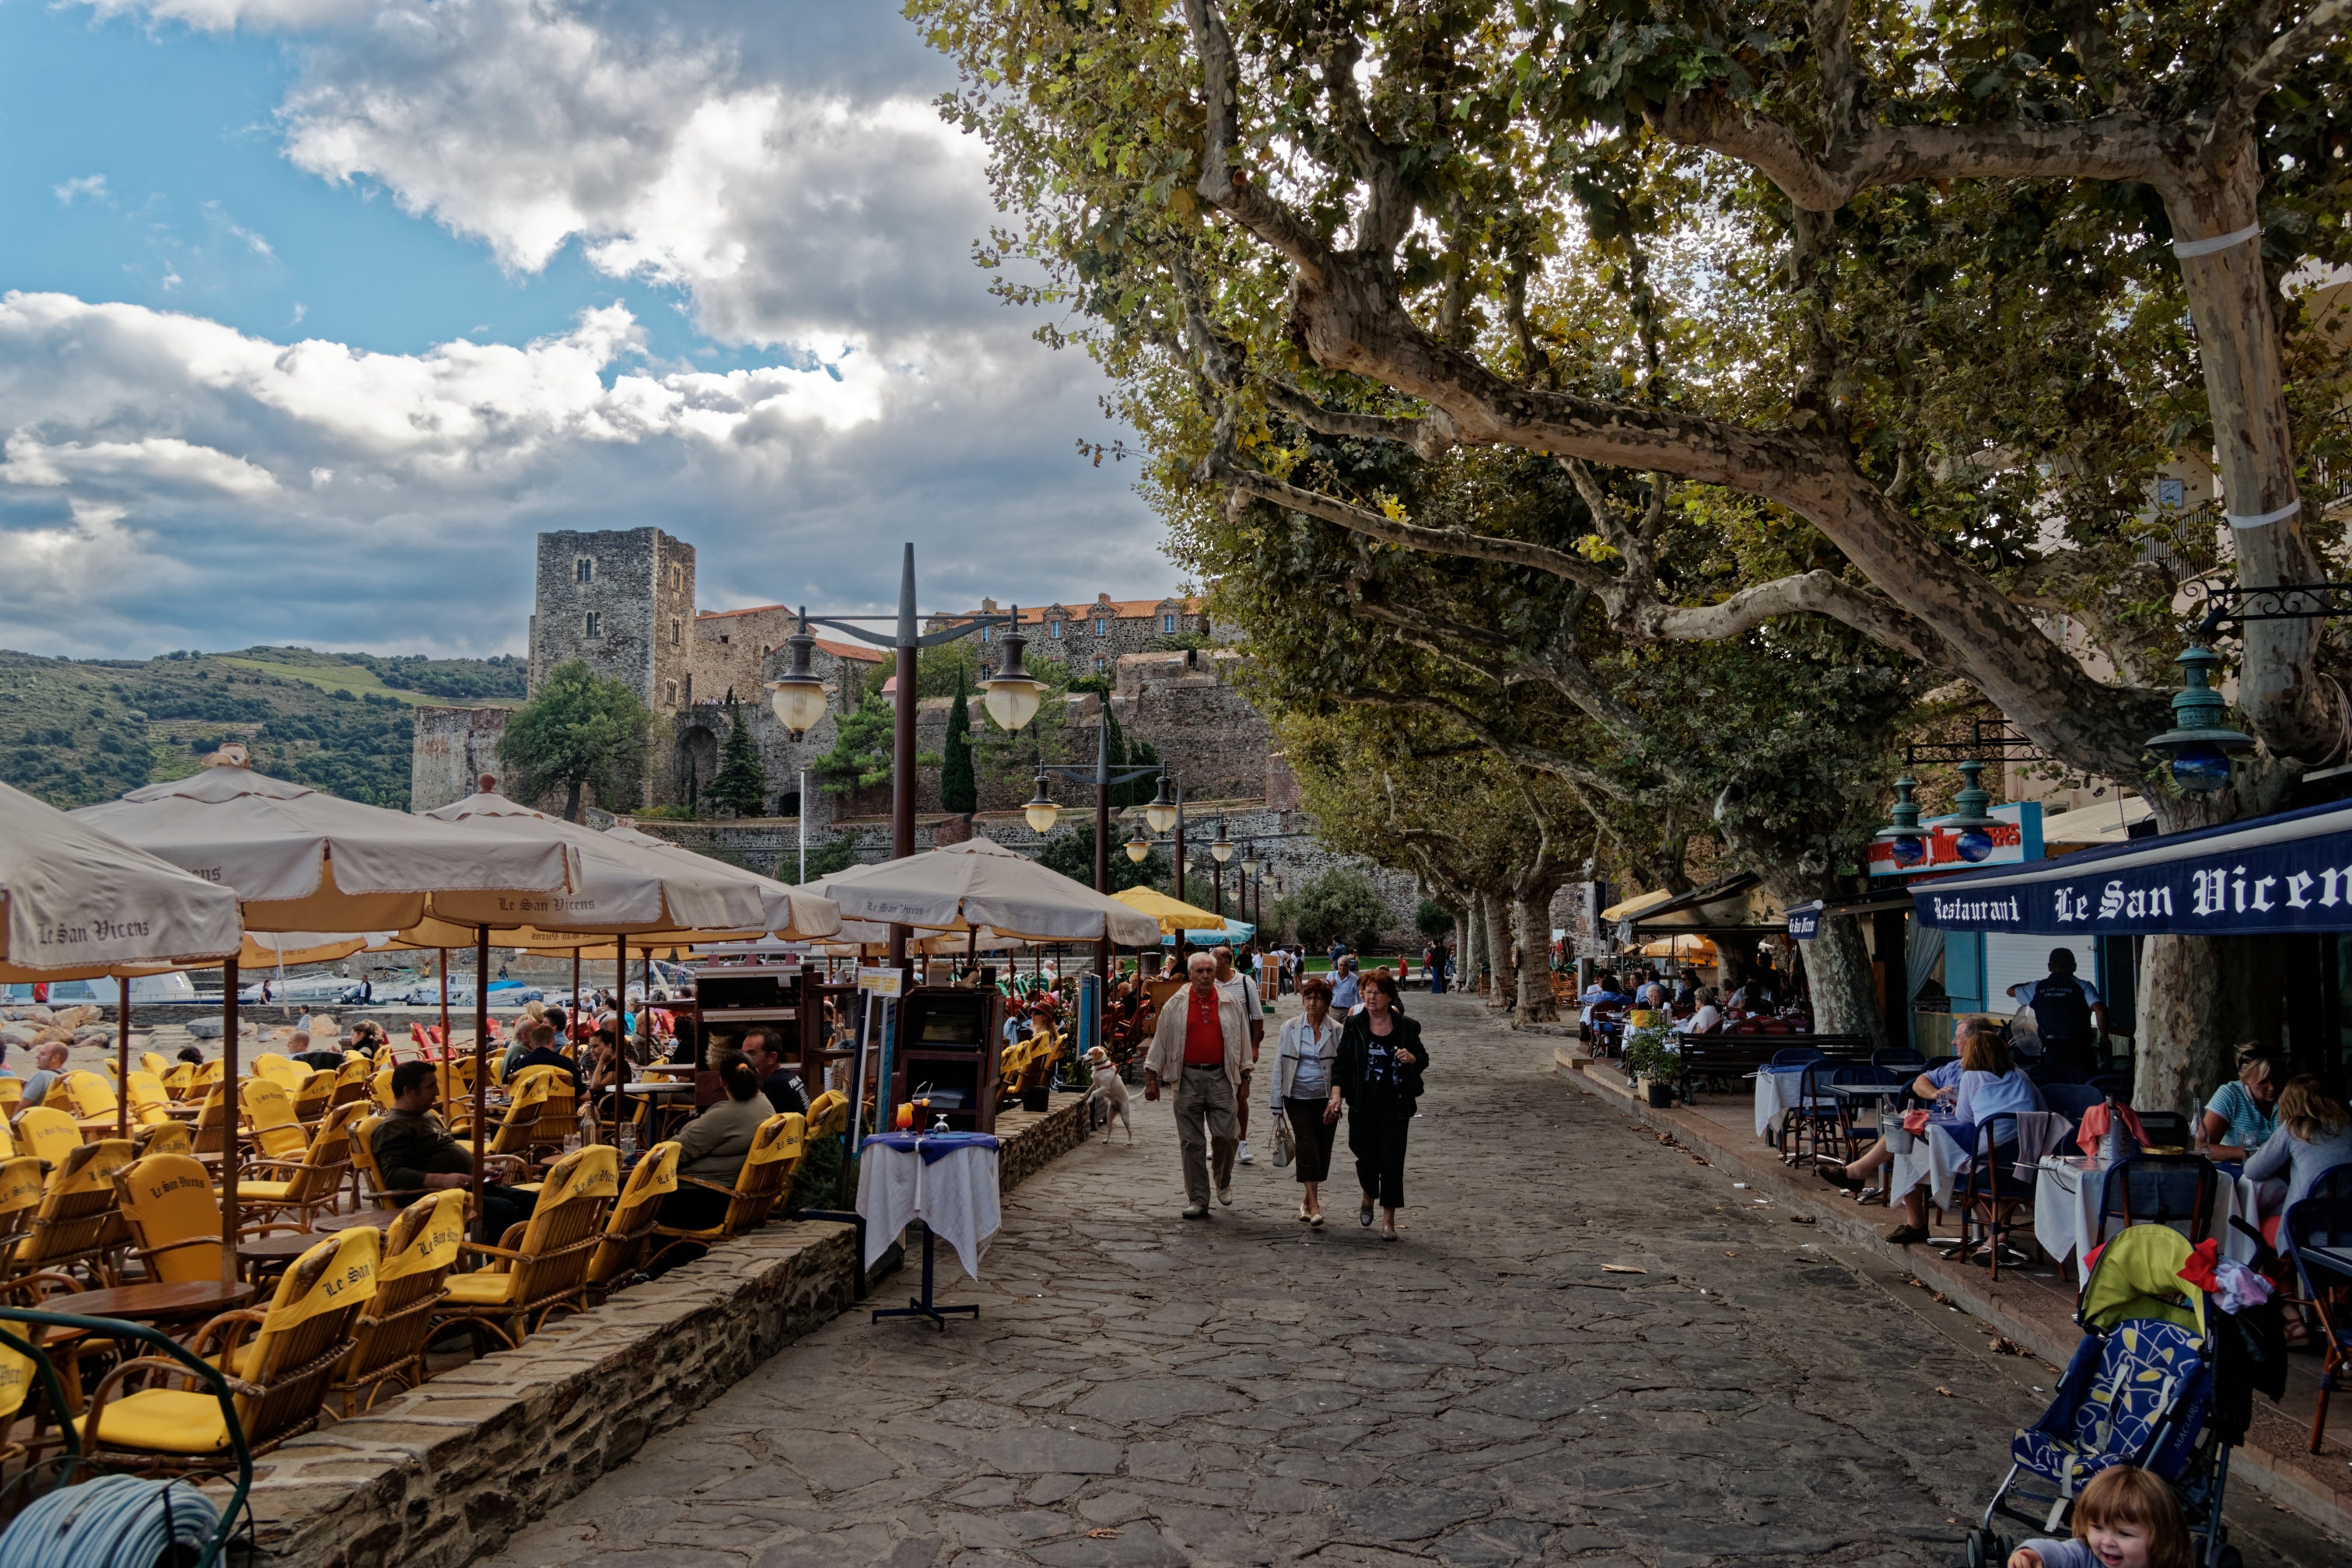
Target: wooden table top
{"type": "Point", "coordinates": [283, 1248]}
{"type": "Point", "coordinates": [199, 1299]}
{"type": "Point", "coordinates": [326, 1223]}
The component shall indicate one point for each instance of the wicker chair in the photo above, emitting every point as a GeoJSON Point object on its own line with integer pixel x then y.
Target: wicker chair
{"type": "Point", "coordinates": [302, 1187]}
{"type": "Point", "coordinates": [47, 1133]}
{"type": "Point", "coordinates": [278, 1378]}
{"type": "Point", "coordinates": [389, 1339]}
{"type": "Point", "coordinates": [175, 1220]}
{"type": "Point", "coordinates": [776, 1148]}
{"type": "Point", "coordinates": [541, 1264]}
{"type": "Point", "coordinates": [78, 1223]}
{"type": "Point", "coordinates": [268, 1112]}
{"type": "Point", "coordinates": [620, 1252]}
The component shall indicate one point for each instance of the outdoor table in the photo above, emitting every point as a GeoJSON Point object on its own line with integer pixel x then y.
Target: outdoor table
{"type": "Point", "coordinates": [1934, 1156]}
{"type": "Point", "coordinates": [685, 1067]}
{"type": "Point", "coordinates": [657, 1086]}
{"type": "Point", "coordinates": [327, 1224]}
{"type": "Point", "coordinates": [1778, 1090]}
{"type": "Point", "coordinates": [268, 1252]}
{"type": "Point", "coordinates": [2334, 1259]}
{"type": "Point", "coordinates": [2068, 1189]}
{"type": "Point", "coordinates": [196, 1299]}
{"type": "Point", "coordinates": [948, 1180]}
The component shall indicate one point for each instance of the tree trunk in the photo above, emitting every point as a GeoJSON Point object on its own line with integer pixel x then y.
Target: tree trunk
{"type": "Point", "coordinates": [1534, 947]}
{"type": "Point", "coordinates": [1462, 944]}
{"type": "Point", "coordinates": [2178, 1036]}
{"type": "Point", "coordinates": [571, 801]}
{"type": "Point", "coordinates": [1837, 969]}
{"type": "Point", "coordinates": [1497, 910]}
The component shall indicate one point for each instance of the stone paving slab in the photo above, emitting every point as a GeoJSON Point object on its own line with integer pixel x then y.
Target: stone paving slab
{"type": "Point", "coordinates": [1142, 1390]}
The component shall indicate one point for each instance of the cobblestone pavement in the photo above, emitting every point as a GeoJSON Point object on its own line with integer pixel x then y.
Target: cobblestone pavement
{"type": "Point", "coordinates": [1140, 1390]}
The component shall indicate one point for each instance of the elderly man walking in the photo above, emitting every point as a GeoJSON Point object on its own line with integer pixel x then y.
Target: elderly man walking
{"type": "Point", "coordinates": [1200, 1047]}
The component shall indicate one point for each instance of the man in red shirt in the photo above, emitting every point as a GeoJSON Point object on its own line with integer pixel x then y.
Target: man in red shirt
{"type": "Point", "coordinates": [1199, 1045]}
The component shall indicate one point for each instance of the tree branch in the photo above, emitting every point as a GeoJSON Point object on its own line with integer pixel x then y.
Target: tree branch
{"type": "Point", "coordinates": [2320, 27]}
{"type": "Point", "coordinates": [1428, 437]}
{"type": "Point", "coordinates": [1817, 592]}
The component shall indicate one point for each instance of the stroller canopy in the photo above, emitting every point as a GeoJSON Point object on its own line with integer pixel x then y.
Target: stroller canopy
{"type": "Point", "coordinates": [2138, 1275]}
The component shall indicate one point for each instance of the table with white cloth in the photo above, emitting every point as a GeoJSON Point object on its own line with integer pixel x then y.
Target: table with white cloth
{"type": "Point", "coordinates": [947, 1180]}
{"type": "Point", "coordinates": [2068, 1189]}
{"type": "Point", "coordinates": [1934, 1156]}
{"type": "Point", "coordinates": [1778, 1090]}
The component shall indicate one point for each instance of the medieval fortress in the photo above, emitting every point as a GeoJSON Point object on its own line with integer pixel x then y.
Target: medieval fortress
{"type": "Point", "coordinates": [624, 601]}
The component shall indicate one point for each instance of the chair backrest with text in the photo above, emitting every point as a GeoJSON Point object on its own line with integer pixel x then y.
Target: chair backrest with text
{"type": "Point", "coordinates": [621, 1248]}
{"type": "Point", "coordinates": [268, 1112]}
{"type": "Point", "coordinates": [389, 1337]}
{"type": "Point", "coordinates": [175, 1217]}
{"type": "Point", "coordinates": [86, 1096]}
{"type": "Point", "coordinates": [47, 1133]}
{"type": "Point", "coordinates": [78, 1220]}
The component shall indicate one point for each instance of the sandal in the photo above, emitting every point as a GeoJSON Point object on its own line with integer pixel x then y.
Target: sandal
{"type": "Point", "coordinates": [1835, 1175]}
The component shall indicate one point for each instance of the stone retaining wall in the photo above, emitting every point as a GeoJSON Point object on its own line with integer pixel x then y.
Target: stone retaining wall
{"type": "Point", "coordinates": [437, 1477]}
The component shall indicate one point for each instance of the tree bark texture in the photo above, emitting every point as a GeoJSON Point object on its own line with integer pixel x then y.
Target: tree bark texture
{"type": "Point", "coordinates": [1838, 972]}
{"type": "Point", "coordinates": [2181, 1053]}
{"type": "Point", "coordinates": [1534, 947]}
{"type": "Point", "coordinates": [1472, 953]}
{"type": "Point", "coordinates": [1497, 910]}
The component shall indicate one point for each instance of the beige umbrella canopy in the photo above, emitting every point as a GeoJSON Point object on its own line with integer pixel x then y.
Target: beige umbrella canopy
{"type": "Point", "coordinates": [981, 883]}
{"type": "Point", "coordinates": [299, 860]}
{"type": "Point", "coordinates": [82, 903]}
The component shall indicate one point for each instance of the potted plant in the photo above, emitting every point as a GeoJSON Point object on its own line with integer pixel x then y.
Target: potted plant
{"type": "Point", "coordinates": [1652, 1062]}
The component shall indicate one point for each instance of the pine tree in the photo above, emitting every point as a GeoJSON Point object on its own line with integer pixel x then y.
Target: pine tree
{"type": "Point", "coordinates": [959, 781]}
{"type": "Point", "coordinates": [742, 786]}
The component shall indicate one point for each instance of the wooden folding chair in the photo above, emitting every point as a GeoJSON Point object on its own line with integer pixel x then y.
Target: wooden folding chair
{"type": "Point", "coordinates": [78, 1224]}
{"type": "Point", "coordinates": [268, 1112]}
{"type": "Point", "coordinates": [304, 1187]}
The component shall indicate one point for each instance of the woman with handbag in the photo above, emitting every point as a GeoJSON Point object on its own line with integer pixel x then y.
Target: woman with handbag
{"type": "Point", "coordinates": [1378, 1071]}
{"type": "Point", "coordinates": [1306, 1093]}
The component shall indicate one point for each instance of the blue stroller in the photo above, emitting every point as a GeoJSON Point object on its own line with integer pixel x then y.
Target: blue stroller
{"type": "Point", "coordinates": [2139, 1391]}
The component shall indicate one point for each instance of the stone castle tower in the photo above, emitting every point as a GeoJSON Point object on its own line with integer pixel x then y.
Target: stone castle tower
{"type": "Point", "coordinates": [624, 601]}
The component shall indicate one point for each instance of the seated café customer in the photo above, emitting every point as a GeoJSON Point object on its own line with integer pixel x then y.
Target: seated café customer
{"type": "Point", "coordinates": [763, 1047]}
{"type": "Point", "coordinates": [1709, 1016]}
{"type": "Point", "coordinates": [417, 1154]}
{"type": "Point", "coordinates": [299, 1050]}
{"type": "Point", "coordinates": [2243, 1113]}
{"type": "Point", "coordinates": [49, 1061]}
{"type": "Point", "coordinates": [1984, 1082]}
{"type": "Point", "coordinates": [711, 1148]}
{"type": "Point", "coordinates": [368, 1038]}
{"type": "Point", "coordinates": [2314, 1134]}
{"type": "Point", "coordinates": [540, 1052]}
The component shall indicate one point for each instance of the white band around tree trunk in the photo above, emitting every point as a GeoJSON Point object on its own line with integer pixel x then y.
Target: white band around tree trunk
{"type": "Point", "coordinates": [2266, 519]}
{"type": "Point", "coordinates": [2188, 248]}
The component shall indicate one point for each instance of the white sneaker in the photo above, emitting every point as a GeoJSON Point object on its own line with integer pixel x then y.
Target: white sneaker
{"type": "Point", "coordinates": [1241, 1151]}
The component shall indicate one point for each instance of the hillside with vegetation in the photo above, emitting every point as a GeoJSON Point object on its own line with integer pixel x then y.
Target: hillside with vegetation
{"type": "Point", "coordinates": [73, 732]}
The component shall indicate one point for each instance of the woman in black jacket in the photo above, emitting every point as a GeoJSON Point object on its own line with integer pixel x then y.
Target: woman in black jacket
{"type": "Point", "coordinates": [1379, 1072]}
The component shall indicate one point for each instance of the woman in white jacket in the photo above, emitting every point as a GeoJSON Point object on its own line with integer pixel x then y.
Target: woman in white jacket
{"type": "Point", "coordinates": [1305, 1090]}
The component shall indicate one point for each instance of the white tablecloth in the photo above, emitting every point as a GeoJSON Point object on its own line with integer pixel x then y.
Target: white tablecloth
{"type": "Point", "coordinates": [1933, 1157]}
{"type": "Point", "coordinates": [2066, 1196]}
{"type": "Point", "coordinates": [955, 1195]}
{"type": "Point", "coordinates": [1778, 1090]}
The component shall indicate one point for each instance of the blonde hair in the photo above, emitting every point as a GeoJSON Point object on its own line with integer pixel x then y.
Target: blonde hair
{"type": "Point", "coordinates": [2309, 1111]}
{"type": "Point", "coordinates": [534, 1011]}
{"type": "Point", "coordinates": [1982, 1050]}
{"type": "Point", "coordinates": [2129, 1495]}
{"type": "Point", "coordinates": [2256, 1067]}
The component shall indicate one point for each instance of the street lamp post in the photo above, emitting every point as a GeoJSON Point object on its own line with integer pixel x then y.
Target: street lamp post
{"type": "Point", "coordinates": [1042, 811]}
{"type": "Point", "coordinates": [1011, 695]}
{"type": "Point", "coordinates": [1221, 850]}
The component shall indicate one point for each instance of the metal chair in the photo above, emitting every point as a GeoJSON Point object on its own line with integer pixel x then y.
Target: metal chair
{"type": "Point", "coordinates": [2071, 1100]}
{"type": "Point", "coordinates": [2160, 1189]}
{"type": "Point", "coordinates": [2165, 1129]}
{"type": "Point", "coordinates": [1981, 1195]}
{"type": "Point", "coordinates": [2323, 1217]}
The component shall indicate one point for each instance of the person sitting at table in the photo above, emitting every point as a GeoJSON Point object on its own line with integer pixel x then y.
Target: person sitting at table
{"type": "Point", "coordinates": [368, 1038]}
{"type": "Point", "coordinates": [712, 1148]}
{"type": "Point", "coordinates": [2243, 1114]}
{"type": "Point", "coordinates": [1984, 1082]}
{"type": "Point", "coordinates": [1708, 1018]}
{"type": "Point", "coordinates": [601, 1076]}
{"type": "Point", "coordinates": [299, 1050]}
{"type": "Point", "coordinates": [417, 1153]}
{"type": "Point", "coordinates": [763, 1047]}
{"type": "Point", "coordinates": [539, 1051]}
{"type": "Point", "coordinates": [2314, 1135]}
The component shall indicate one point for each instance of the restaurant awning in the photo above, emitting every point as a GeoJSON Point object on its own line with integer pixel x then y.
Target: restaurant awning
{"type": "Point", "coordinates": [1640, 903]}
{"type": "Point", "coordinates": [2291, 872]}
{"type": "Point", "coordinates": [1735, 905]}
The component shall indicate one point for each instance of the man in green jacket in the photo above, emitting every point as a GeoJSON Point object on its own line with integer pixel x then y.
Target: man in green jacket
{"type": "Point", "coordinates": [418, 1154]}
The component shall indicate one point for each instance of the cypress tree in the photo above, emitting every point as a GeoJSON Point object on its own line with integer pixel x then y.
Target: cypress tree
{"type": "Point", "coordinates": [959, 781]}
{"type": "Point", "coordinates": [742, 786]}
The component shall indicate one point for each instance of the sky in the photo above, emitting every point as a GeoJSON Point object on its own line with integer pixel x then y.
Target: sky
{"type": "Point", "coordinates": [312, 312]}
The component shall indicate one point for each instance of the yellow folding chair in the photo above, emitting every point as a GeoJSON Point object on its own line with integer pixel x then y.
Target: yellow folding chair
{"type": "Point", "coordinates": [620, 1250]}
{"type": "Point", "coordinates": [312, 1100]}
{"type": "Point", "coordinates": [208, 1073]}
{"type": "Point", "coordinates": [380, 1089]}
{"type": "Point", "coordinates": [389, 1337]}
{"type": "Point", "coordinates": [154, 1062]}
{"type": "Point", "coordinates": [268, 1112]}
{"type": "Point", "coordinates": [279, 1380]}
{"type": "Point", "coordinates": [47, 1133]}
{"type": "Point", "coordinates": [78, 1223]}
{"type": "Point", "coordinates": [20, 1198]}
{"type": "Point", "coordinates": [305, 1187]}
{"type": "Point", "coordinates": [211, 1117]}
{"type": "Point", "coordinates": [85, 1096]}
{"type": "Point", "coordinates": [150, 1106]}
{"type": "Point", "coordinates": [776, 1148]}
{"type": "Point", "coordinates": [542, 1263]}
{"type": "Point", "coordinates": [179, 1080]}
{"type": "Point", "coordinates": [12, 1095]}
{"type": "Point", "coordinates": [828, 1114]}
{"type": "Point", "coordinates": [284, 1071]}
{"type": "Point", "coordinates": [166, 1137]}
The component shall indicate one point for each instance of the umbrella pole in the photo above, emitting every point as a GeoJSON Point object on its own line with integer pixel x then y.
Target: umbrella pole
{"type": "Point", "coordinates": [228, 1121]}
{"type": "Point", "coordinates": [122, 1062]}
{"type": "Point", "coordinates": [571, 1026]}
{"type": "Point", "coordinates": [620, 1024]}
{"type": "Point", "coordinates": [445, 1003]}
{"type": "Point", "coordinates": [481, 1048]}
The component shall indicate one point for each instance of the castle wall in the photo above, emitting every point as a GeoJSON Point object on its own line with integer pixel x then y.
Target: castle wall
{"type": "Point", "coordinates": [454, 747]}
{"type": "Point", "coordinates": [622, 600]}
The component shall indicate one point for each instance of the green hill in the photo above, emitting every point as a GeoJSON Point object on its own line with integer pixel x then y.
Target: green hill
{"type": "Point", "coordinates": [73, 732]}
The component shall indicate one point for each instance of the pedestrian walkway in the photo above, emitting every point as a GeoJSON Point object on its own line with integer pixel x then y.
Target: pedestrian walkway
{"type": "Point", "coordinates": [1589, 1346]}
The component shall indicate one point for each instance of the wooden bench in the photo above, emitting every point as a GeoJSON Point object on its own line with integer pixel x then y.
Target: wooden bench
{"type": "Point", "coordinates": [1717, 1058]}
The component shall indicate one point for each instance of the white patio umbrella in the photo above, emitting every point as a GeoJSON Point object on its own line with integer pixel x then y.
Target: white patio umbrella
{"type": "Point", "coordinates": [82, 904]}
{"type": "Point", "coordinates": [302, 861]}
{"type": "Point", "coordinates": [980, 883]}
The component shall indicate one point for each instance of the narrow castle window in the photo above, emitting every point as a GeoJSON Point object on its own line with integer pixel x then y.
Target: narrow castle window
{"type": "Point", "coordinates": [673, 631]}
{"type": "Point", "coordinates": [1168, 625]}
{"type": "Point", "coordinates": [1100, 625]}
{"type": "Point", "coordinates": [595, 627]}
{"type": "Point", "coordinates": [583, 570]}
{"type": "Point", "coordinates": [678, 579]}
{"type": "Point", "coordinates": [1100, 662]}
{"type": "Point", "coordinates": [673, 694]}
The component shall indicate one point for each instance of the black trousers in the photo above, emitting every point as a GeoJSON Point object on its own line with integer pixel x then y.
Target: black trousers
{"type": "Point", "coordinates": [503, 1207]}
{"type": "Point", "coordinates": [1314, 1137]}
{"type": "Point", "coordinates": [1376, 1136]}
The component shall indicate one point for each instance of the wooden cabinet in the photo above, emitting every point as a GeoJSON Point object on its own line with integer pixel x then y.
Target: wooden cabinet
{"type": "Point", "coordinates": [949, 1038]}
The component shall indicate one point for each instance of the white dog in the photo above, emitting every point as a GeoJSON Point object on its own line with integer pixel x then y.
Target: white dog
{"type": "Point", "coordinates": [1111, 1089]}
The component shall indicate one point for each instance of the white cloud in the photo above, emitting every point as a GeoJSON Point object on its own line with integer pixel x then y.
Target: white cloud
{"type": "Point", "coordinates": [158, 460]}
{"type": "Point", "coordinates": [92, 186]}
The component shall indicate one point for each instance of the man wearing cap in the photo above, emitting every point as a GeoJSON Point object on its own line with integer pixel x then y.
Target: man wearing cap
{"type": "Point", "coordinates": [1200, 1047]}
{"type": "Point", "coordinates": [2067, 1012]}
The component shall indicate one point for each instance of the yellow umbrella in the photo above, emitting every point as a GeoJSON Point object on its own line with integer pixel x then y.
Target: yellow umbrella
{"type": "Point", "coordinates": [1172, 916]}
{"type": "Point", "coordinates": [1697, 949]}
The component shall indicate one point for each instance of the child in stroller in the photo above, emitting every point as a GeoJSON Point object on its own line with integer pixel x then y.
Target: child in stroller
{"type": "Point", "coordinates": [2124, 1518]}
{"type": "Point", "coordinates": [2140, 1392]}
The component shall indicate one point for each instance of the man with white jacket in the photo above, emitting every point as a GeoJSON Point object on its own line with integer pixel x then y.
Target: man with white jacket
{"type": "Point", "coordinates": [1200, 1047]}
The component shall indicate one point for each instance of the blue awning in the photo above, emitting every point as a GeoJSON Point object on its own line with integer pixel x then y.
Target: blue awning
{"type": "Point", "coordinates": [2291, 872]}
